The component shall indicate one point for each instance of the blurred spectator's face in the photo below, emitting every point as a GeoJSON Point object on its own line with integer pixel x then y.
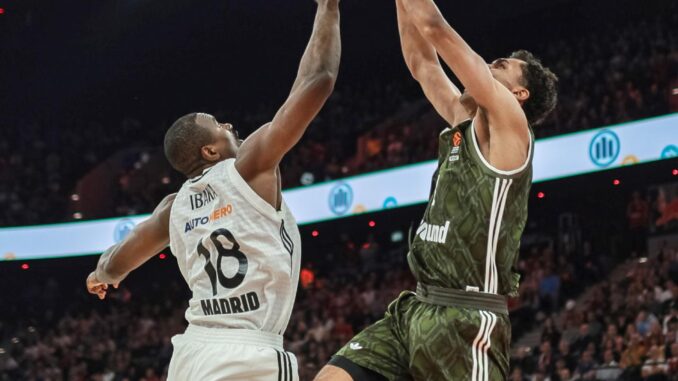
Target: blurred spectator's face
{"type": "Point", "coordinates": [564, 346]}
{"type": "Point", "coordinates": [674, 349]}
{"type": "Point", "coordinates": [609, 357]}
{"type": "Point", "coordinates": [517, 375]}
{"type": "Point", "coordinates": [564, 374]}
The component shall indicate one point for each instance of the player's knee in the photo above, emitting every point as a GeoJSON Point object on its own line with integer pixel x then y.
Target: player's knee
{"type": "Point", "coordinates": [332, 373]}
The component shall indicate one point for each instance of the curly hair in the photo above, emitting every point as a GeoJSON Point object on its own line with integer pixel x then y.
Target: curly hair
{"type": "Point", "coordinates": [542, 83]}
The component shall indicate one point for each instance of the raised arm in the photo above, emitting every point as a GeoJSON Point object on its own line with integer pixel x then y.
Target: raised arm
{"type": "Point", "coordinates": [145, 241]}
{"type": "Point", "coordinates": [265, 148]}
{"type": "Point", "coordinates": [467, 65]}
{"type": "Point", "coordinates": [422, 61]}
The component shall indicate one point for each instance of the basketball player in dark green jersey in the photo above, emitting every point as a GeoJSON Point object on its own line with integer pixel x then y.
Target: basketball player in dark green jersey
{"type": "Point", "coordinates": [456, 326]}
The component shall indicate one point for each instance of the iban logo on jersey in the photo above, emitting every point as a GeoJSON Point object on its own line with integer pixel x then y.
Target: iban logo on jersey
{"type": "Point", "coordinates": [215, 215]}
{"type": "Point", "coordinates": [433, 233]}
{"type": "Point", "coordinates": [198, 200]}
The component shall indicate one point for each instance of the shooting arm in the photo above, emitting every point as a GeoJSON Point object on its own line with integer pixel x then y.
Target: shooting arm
{"type": "Point", "coordinates": [145, 241]}
{"type": "Point", "coordinates": [422, 61]}
{"type": "Point", "coordinates": [466, 64]}
{"type": "Point", "coordinates": [314, 83]}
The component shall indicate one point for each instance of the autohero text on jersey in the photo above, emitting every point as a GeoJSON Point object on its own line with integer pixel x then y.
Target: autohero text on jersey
{"type": "Point", "coordinates": [215, 215]}
{"type": "Point", "coordinates": [233, 305]}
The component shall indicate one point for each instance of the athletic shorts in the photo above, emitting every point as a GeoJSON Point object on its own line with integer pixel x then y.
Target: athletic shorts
{"type": "Point", "coordinates": [421, 341]}
{"type": "Point", "coordinates": [214, 354]}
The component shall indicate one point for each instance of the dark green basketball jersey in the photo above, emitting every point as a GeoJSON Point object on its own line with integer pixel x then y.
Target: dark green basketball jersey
{"type": "Point", "coordinates": [470, 234]}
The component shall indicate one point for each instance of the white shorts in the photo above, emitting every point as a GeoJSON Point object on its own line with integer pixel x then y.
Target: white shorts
{"type": "Point", "coordinates": [215, 354]}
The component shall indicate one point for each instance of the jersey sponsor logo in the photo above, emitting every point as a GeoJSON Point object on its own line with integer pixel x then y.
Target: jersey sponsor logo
{"type": "Point", "coordinates": [198, 200]}
{"type": "Point", "coordinates": [233, 305]}
{"type": "Point", "coordinates": [433, 233]}
{"type": "Point", "coordinates": [215, 215]}
{"type": "Point", "coordinates": [604, 148]}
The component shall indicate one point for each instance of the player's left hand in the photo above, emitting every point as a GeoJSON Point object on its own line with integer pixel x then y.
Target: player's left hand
{"type": "Point", "coordinates": [95, 287]}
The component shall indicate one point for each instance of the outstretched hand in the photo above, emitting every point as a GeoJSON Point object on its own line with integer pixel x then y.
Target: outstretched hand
{"type": "Point", "coordinates": [95, 287]}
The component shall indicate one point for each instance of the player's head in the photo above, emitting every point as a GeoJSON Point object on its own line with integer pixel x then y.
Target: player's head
{"type": "Point", "coordinates": [533, 84]}
{"type": "Point", "coordinates": [196, 140]}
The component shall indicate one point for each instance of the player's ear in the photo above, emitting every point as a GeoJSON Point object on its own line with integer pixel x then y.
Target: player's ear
{"type": "Point", "coordinates": [210, 153]}
{"type": "Point", "coordinates": [521, 93]}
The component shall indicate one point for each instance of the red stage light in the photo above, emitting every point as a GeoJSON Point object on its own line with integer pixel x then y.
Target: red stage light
{"type": "Point", "coordinates": [315, 233]}
{"type": "Point", "coordinates": [2, 11]}
{"type": "Point", "coordinates": [541, 195]}
{"type": "Point", "coordinates": [675, 172]}
{"type": "Point", "coordinates": [616, 182]}
{"type": "Point", "coordinates": [162, 256]}
{"type": "Point", "coordinates": [25, 266]}
{"type": "Point", "coordinates": [372, 224]}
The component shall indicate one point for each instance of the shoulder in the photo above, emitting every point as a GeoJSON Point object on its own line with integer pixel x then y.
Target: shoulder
{"type": "Point", "coordinates": [162, 211]}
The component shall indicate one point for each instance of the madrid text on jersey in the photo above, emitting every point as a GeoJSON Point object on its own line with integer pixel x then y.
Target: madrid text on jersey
{"type": "Point", "coordinates": [198, 200]}
{"type": "Point", "coordinates": [215, 215]}
{"type": "Point", "coordinates": [233, 305]}
{"type": "Point", "coordinates": [433, 233]}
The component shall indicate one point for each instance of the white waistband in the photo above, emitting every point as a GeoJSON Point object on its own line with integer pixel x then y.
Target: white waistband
{"type": "Point", "coordinates": [234, 336]}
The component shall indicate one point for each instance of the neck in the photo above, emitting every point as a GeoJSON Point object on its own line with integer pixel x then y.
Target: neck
{"type": "Point", "coordinates": [199, 170]}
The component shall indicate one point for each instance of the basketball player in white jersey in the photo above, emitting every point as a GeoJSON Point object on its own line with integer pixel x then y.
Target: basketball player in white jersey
{"type": "Point", "coordinates": [235, 240]}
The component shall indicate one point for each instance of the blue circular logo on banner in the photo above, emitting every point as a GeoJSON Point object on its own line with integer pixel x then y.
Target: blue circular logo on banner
{"type": "Point", "coordinates": [604, 148]}
{"type": "Point", "coordinates": [669, 152]}
{"type": "Point", "coordinates": [341, 199]}
{"type": "Point", "coordinates": [122, 229]}
{"type": "Point", "coordinates": [390, 202]}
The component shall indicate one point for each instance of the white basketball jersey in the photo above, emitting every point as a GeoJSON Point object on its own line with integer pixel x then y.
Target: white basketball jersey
{"type": "Point", "coordinates": [239, 256]}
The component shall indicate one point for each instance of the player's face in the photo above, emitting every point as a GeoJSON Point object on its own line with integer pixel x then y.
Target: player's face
{"type": "Point", "coordinates": [508, 71]}
{"type": "Point", "coordinates": [226, 141]}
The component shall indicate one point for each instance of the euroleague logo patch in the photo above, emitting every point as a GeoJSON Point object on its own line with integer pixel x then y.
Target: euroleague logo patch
{"type": "Point", "coordinates": [456, 143]}
{"type": "Point", "coordinates": [456, 139]}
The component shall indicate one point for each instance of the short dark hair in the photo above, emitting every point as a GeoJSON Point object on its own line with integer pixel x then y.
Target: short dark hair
{"type": "Point", "coordinates": [183, 142]}
{"type": "Point", "coordinates": [541, 82]}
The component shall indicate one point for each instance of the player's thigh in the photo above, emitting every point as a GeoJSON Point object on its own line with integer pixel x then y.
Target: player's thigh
{"type": "Point", "coordinates": [333, 373]}
{"type": "Point", "coordinates": [209, 361]}
{"type": "Point", "coordinates": [459, 344]}
{"type": "Point", "coordinates": [380, 348]}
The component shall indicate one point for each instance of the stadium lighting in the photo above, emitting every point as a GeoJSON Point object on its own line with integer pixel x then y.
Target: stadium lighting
{"type": "Point", "coordinates": [75, 197]}
{"type": "Point", "coordinates": [77, 215]}
{"type": "Point", "coordinates": [315, 233]}
{"type": "Point", "coordinates": [541, 195]}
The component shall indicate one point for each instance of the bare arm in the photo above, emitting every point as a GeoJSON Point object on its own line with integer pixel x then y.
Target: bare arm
{"type": "Point", "coordinates": [264, 149]}
{"type": "Point", "coordinates": [467, 65]}
{"type": "Point", "coordinates": [422, 61]}
{"type": "Point", "coordinates": [502, 128]}
{"type": "Point", "coordinates": [145, 241]}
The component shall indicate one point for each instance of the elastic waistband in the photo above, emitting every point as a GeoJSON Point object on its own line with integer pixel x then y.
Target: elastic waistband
{"type": "Point", "coordinates": [234, 336]}
{"type": "Point", "coordinates": [449, 297]}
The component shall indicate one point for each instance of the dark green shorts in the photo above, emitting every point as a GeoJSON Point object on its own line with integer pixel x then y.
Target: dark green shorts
{"type": "Point", "coordinates": [420, 341]}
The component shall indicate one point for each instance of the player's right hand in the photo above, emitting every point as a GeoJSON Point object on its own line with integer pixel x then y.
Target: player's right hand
{"type": "Point", "coordinates": [95, 287]}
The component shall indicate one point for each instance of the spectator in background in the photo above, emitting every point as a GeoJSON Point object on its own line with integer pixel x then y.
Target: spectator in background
{"type": "Point", "coordinates": [637, 214]}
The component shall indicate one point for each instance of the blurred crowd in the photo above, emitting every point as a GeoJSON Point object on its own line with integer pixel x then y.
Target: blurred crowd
{"type": "Point", "coordinates": [626, 329]}
{"type": "Point", "coordinates": [618, 74]}
{"type": "Point", "coordinates": [127, 337]}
